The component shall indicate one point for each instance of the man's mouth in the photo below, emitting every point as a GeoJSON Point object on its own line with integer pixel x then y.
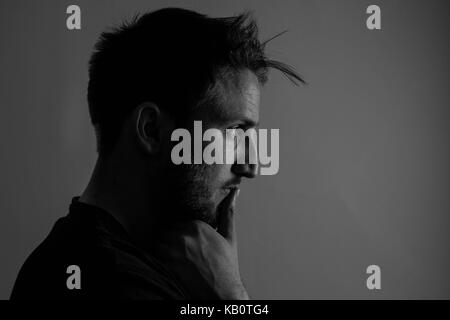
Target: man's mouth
{"type": "Point", "coordinates": [228, 189]}
{"type": "Point", "coordinates": [231, 186]}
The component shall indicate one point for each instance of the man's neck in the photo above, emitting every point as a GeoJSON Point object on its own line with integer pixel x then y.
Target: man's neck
{"type": "Point", "coordinates": [123, 193]}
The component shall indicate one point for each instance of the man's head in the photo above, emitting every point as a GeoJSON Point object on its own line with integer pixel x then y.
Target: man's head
{"type": "Point", "coordinates": [165, 70]}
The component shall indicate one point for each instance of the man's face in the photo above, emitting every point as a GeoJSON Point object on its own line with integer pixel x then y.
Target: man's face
{"type": "Point", "coordinates": [197, 190]}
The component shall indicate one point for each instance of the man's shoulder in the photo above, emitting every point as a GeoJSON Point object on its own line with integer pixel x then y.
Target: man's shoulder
{"type": "Point", "coordinates": [104, 261]}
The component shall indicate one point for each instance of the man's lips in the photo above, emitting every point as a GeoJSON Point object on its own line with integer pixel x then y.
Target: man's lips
{"type": "Point", "coordinates": [228, 189]}
{"type": "Point", "coordinates": [229, 193]}
{"type": "Point", "coordinates": [234, 184]}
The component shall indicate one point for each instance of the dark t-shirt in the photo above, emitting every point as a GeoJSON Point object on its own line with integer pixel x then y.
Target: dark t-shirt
{"type": "Point", "coordinates": [110, 265]}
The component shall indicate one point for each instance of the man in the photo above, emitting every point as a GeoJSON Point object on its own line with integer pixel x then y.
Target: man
{"type": "Point", "coordinates": [146, 228]}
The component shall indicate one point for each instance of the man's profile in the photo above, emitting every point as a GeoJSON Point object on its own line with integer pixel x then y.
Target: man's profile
{"type": "Point", "coordinates": [144, 227]}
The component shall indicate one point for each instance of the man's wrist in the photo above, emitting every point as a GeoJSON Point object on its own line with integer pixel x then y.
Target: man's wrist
{"type": "Point", "coordinates": [237, 293]}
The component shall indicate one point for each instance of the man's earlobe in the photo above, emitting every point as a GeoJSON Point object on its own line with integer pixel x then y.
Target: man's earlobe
{"type": "Point", "coordinates": [148, 127]}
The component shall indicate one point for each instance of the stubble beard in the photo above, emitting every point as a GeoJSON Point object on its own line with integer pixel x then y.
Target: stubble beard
{"type": "Point", "coordinates": [191, 196]}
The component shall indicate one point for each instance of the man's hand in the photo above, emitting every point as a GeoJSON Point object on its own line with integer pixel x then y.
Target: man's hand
{"type": "Point", "coordinates": [204, 260]}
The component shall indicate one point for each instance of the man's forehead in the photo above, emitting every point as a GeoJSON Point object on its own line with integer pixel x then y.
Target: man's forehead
{"type": "Point", "coordinates": [237, 100]}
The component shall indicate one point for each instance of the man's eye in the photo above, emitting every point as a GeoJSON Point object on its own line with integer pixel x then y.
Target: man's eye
{"type": "Point", "coordinates": [232, 135]}
{"type": "Point", "coordinates": [231, 132]}
{"type": "Point", "coordinates": [240, 126]}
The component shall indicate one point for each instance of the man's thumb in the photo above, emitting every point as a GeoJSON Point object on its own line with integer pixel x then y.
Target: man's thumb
{"type": "Point", "coordinates": [226, 216]}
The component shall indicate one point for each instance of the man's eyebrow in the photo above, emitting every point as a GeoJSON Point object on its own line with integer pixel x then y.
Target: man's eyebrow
{"type": "Point", "coordinates": [250, 123]}
{"type": "Point", "coordinates": [225, 117]}
{"type": "Point", "coordinates": [243, 122]}
{"type": "Point", "coordinates": [240, 119]}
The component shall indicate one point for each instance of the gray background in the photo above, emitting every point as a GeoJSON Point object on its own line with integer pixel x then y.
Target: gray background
{"type": "Point", "coordinates": [364, 150]}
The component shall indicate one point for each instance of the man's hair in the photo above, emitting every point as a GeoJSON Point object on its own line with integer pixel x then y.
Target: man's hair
{"type": "Point", "coordinates": [172, 57]}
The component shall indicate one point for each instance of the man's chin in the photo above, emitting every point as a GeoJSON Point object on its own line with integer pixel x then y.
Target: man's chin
{"type": "Point", "coordinates": [207, 214]}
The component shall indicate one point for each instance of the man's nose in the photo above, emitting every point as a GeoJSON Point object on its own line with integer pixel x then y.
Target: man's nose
{"type": "Point", "coordinates": [245, 170]}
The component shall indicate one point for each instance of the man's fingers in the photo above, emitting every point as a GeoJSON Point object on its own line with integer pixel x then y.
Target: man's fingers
{"type": "Point", "coordinates": [226, 216]}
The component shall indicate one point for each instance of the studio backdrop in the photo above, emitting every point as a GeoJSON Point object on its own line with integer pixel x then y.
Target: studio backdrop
{"type": "Point", "coordinates": [364, 153]}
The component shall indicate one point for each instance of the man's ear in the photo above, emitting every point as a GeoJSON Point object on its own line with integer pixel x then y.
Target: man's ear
{"type": "Point", "coordinates": [148, 127]}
